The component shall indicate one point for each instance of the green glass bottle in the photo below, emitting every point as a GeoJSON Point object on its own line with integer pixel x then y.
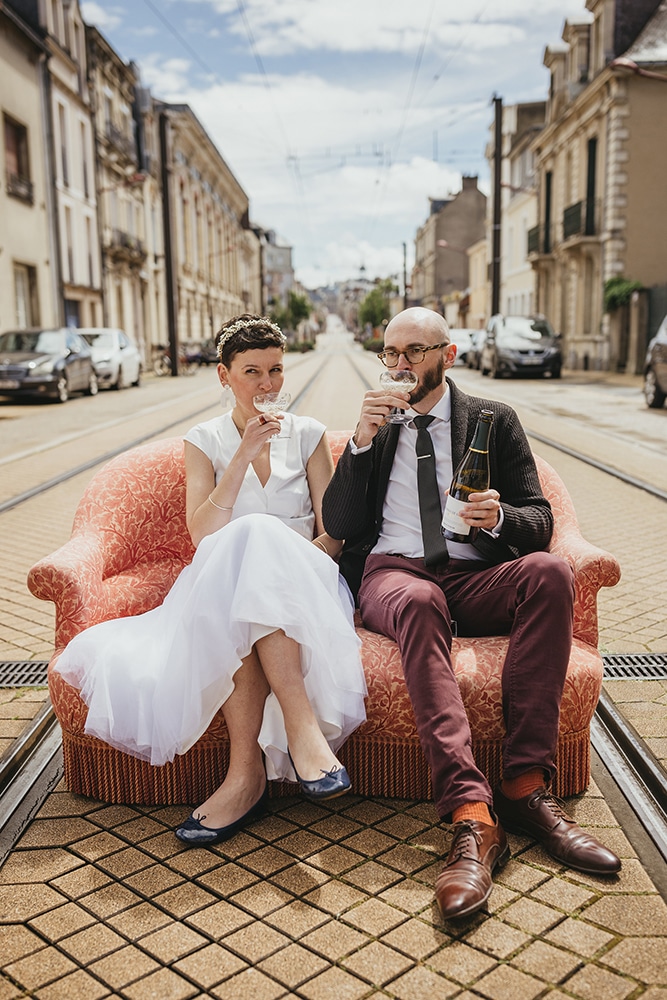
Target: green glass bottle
{"type": "Point", "coordinates": [470, 476]}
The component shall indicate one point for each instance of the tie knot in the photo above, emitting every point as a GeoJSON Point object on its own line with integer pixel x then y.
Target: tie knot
{"type": "Point", "coordinates": [422, 421]}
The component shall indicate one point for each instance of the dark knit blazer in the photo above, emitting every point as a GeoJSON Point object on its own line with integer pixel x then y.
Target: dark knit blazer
{"type": "Point", "coordinates": [353, 502]}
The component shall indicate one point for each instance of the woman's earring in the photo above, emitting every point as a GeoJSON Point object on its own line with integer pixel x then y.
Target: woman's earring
{"type": "Point", "coordinates": [227, 397]}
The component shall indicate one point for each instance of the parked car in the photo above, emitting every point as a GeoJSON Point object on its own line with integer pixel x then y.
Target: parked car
{"type": "Point", "coordinates": [46, 362]}
{"type": "Point", "coordinates": [116, 358]}
{"type": "Point", "coordinates": [474, 352]}
{"type": "Point", "coordinates": [206, 353]}
{"type": "Point", "coordinates": [463, 339]}
{"type": "Point", "coordinates": [655, 369]}
{"type": "Point", "coordinates": [520, 345]}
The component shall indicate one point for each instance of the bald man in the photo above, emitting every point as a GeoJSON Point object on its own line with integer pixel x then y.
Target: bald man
{"type": "Point", "coordinates": [411, 586]}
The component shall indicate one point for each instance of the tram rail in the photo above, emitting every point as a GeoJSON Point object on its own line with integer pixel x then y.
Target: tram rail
{"type": "Point", "coordinates": [33, 767]}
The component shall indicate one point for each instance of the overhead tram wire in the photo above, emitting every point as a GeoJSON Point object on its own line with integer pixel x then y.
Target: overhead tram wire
{"type": "Point", "coordinates": [384, 172]}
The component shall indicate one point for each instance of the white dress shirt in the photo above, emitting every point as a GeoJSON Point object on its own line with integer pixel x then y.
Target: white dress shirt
{"type": "Point", "coordinates": [401, 531]}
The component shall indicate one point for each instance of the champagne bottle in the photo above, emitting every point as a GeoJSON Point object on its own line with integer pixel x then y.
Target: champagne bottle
{"type": "Point", "coordinates": [470, 476]}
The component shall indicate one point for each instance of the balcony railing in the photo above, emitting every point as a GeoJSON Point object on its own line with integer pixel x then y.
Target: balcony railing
{"type": "Point", "coordinates": [121, 140]}
{"type": "Point", "coordinates": [20, 187]}
{"type": "Point", "coordinates": [581, 219]}
{"type": "Point", "coordinates": [122, 241]}
{"type": "Point", "coordinates": [541, 238]}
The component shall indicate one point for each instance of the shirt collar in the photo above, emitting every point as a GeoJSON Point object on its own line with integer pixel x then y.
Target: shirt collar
{"type": "Point", "coordinates": [442, 409]}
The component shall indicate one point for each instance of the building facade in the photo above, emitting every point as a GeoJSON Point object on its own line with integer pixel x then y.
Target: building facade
{"type": "Point", "coordinates": [600, 162]}
{"type": "Point", "coordinates": [440, 272]}
{"type": "Point", "coordinates": [212, 256]}
{"type": "Point", "coordinates": [29, 281]}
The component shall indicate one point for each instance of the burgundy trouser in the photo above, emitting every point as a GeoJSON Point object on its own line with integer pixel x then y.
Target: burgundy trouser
{"type": "Point", "coordinates": [530, 599]}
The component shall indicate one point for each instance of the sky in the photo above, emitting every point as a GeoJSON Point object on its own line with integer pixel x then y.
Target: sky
{"type": "Point", "coordinates": [341, 118]}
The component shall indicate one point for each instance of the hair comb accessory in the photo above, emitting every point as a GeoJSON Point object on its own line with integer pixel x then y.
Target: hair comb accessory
{"type": "Point", "coordinates": [246, 324]}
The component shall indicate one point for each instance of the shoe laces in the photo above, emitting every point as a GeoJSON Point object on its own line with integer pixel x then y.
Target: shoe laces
{"type": "Point", "coordinates": [556, 805]}
{"type": "Point", "coordinates": [461, 846]}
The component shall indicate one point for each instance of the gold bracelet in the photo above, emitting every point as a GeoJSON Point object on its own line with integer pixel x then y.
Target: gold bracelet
{"type": "Point", "coordinates": [322, 546]}
{"type": "Point", "coordinates": [214, 504]}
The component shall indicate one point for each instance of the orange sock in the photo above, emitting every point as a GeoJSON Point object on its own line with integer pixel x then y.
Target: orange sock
{"type": "Point", "coordinates": [473, 810]}
{"type": "Point", "coordinates": [519, 788]}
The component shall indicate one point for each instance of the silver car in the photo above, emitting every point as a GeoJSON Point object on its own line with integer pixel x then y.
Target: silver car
{"type": "Point", "coordinates": [116, 358]}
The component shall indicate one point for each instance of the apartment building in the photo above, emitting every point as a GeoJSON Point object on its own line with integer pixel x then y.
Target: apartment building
{"type": "Point", "coordinates": [600, 163]}
{"type": "Point", "coordinates": [29, 281]}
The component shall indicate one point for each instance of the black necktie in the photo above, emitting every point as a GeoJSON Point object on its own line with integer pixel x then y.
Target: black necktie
{"type": "Point", "coordinates": [430, 510]}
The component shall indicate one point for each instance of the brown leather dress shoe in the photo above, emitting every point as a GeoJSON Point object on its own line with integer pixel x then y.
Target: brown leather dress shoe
{"type": "Point", "coordinates": [541, 815]}
{"type": "Point", "coordinates": [464, 884]}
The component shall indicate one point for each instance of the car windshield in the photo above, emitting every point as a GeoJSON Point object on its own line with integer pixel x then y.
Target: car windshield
{"type": "Point", "coordinates": [519, 330]}
{"type": "Point", "coordinates": [103, 340]}
{"type": "Point", "coordinates": [33, 341]}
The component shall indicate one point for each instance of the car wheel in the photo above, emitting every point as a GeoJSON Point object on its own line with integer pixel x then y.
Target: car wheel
{"type": "Point", "coordinates": [495, 371]}
{"type": "Point", "coordinates": [652, 393]}
{"type": "Point", "coordinates": [92, 385]}
{"type": "Point", "coordinates": [62, 388]}
{"type": "Point", "coordinates": [120, 379]}
{"type": "Point", "coordinates": [556, 372]}
{"type": "Point", "coordinates": [137, 380]}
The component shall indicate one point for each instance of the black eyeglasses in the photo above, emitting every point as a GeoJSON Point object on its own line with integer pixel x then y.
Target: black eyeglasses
{"type": "Point", "coordinates": [413, 355]}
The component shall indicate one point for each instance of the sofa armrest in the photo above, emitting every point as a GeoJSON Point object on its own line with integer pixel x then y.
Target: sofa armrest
{"type": "Point", "coordinates": [593, 568]}
{"type": "Point", "coordinates": [72, 577]}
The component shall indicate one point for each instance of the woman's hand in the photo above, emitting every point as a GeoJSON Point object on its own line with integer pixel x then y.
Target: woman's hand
{"type": "Point", "coordinates": [332, 546]}
{"type": "Point", "coordinates": [257, 432]}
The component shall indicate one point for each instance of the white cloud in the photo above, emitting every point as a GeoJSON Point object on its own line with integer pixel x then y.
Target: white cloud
{"type": "Point", "coordinates": [167, 78]}
{"type": "Point", "coordinates": [104, 18]}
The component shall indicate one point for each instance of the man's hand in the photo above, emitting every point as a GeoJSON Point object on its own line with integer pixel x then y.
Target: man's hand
{"type": "Point", "coordinates": [375, 409]}
{"type": "Point", "coordinates": [482, 510]}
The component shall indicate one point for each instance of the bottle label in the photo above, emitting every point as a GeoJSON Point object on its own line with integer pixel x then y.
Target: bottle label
{"type": "Point", "coordinates": [451, 520]}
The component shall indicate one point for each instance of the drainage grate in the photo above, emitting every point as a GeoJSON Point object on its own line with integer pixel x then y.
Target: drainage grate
{"type": "Point", "coordinates": [638, 666]}
{"type": "Point", "coordinates": [23, 673]}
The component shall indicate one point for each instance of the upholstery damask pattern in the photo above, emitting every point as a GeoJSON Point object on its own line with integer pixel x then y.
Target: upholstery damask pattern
{"type": "Point", "coordinates": [130, 542]}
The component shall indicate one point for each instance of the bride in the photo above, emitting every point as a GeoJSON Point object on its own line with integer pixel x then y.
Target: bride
{"type": "Point", "coordinates": [259, 624]}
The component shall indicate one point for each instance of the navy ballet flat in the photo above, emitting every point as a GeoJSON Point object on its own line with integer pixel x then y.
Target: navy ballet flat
{"type": "Point", "coordinates": [192, 833]}
{"type": "Point", "coordinates": [333, 783]}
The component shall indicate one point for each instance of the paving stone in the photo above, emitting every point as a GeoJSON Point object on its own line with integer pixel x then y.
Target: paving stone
{"type": "Point", "coordinates": [532, 916]}
{"type": "Point", "coordinates": [81, 881]}
{"type": "Point", "coordinates": [92, 943]}
{"type": "Point", "coordinates": [161, 985]}
{"type": "Point", "coordinates": [98, 846]}
{"type": "Point", "coordinates": [151, 881]}
{"type": "Point", "coordinates": [401, 826]}
{"type": "Point", "coordinates": [55, 832]}
{"type": "Point", "coordinates": [334, 940]}
{"type": "Point", "coordinates": [299, 878]}
{"type": "Point", "coordinates": [561, 894]}
{"type": "Point", "coordinates": [193, 862]}
{"type": "Point", "coordinates": [369, 843]}
{"type": "Point", "coordinates": [335, 860]}
{"type": "Point", "coordinates": [377, 963]}
{"type": "Point", "coordinates": [368, 811]}
{"type": "Point", "coordinates": [17, 942]}
{"type": "Point", "coordinates": [123, 967]}
{"type": "Point", "coordinates": [421, 984]}
{"type": "Point", "coordinates": [301, 843]}
{"type": "Point", "coordinates": [631, 878]}
{"type": "Point", "coordinates": [172, 942]}
{"type": "Point", "coordinates": [228, 878]}
{"type": "Point", "coordinates": [631, 915]}
{"type": "Point", "coordinates": [255, 942]}
{"type": "Point", "coordinates": [335, 828]}
{"type": "Point", "coordinates": [408, 895]}
{"type": "Point", "coordinates": [261, 898]}
{"type": "Point", "coordinates": [37, 866]}
{"type": "Point", "coordinates": [643, 958]}
{"type": "Point", "coordinates": [497, 938]}
{"type": "Point", "coordinates": [78, 985]}
{"type": "Point", "coordinates": [500, 897]}
{"type": "Point", "coordinates": [209, 965]}
{"type": "Point", "coordinates": [267, 861]}
{"type": "Point", "coordinates": [139, 920]}
{"type": "Point", "coordinates": [520, 877]}
{"type": "Point", "coordinates": [593, 983]}
{"type": "Point", "coordinates": [293, 965]}
{"type": "Point", "coordinates": [374, 917]}
{"type": "Point", "coordinates": [125, 862]}
{"type": "Point", "coordinates": [20, 903]}
{"type": "Point", "coordinates": [297, 918]}
{"type": "Point", "coordinates": [109, 899]}
{"type": "Point", "coordinates": [184, 900]}
{"type": "Point", "coordinates": [372, 877]}
{"type": "Point", "coordinates": [219, 919]}
{"type": "Point", "coordinates": [335, 897]}
{"type": "Point", "coordinates": [546, 962]}
{"type": "Point", "coordinates": [272, 828]}
{"type": "Point", "coordinates": [580, 937]}
{"type": "Point", "coordinates": [334, 984]}
{"type": "Point", "coordinates": [251, 984]}
{"type": "Point", "coordinates": [61, 922]}
{"type": "Point", "coordinates": [462, 963]}
{"type": "Point", "coordinates": [416, 939]}
{"type": "Point", "coordinates": [40, 968]}
{"type": "Point", "coordinates": [139, 829]}
{"type": "Point", "coordinates": [506, 983]}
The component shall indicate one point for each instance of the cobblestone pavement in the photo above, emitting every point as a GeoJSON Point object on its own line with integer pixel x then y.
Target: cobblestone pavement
{"type": "Point", "coordinates": [331, 902]}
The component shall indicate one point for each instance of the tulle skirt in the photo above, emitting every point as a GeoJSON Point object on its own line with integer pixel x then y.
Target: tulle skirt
{"type": "Point", "coordinates": [153, 683]}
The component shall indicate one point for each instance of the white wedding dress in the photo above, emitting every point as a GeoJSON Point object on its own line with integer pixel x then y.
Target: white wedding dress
{"type": "Point", "coordinates": [153, 683]}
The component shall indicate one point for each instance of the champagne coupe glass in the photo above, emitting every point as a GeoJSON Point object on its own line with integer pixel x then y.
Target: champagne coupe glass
{"type": "Point", "coordinates": [395, 379]}
{"type": "Point", "coordinates": [273, 402]}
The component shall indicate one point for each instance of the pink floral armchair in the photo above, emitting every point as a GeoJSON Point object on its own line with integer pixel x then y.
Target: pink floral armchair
{"type": "Point", "coordinates": [130, 542]}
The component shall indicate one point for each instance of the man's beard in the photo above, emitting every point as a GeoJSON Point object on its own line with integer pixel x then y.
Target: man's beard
{"type": "Point", "coordinates": [432, 380]}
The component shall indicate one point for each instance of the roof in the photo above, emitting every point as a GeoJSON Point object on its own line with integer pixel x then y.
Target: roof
{"type": "Point", "coordinates": [650, 46]}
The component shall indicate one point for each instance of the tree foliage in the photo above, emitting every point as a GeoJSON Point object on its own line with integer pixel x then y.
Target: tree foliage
{"type": "Point", "coordinates": [376, 307]}
{"type": "Point", "coordinates": [288, 317]}
{"type": "Point", "coordinates": [618, 292]}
